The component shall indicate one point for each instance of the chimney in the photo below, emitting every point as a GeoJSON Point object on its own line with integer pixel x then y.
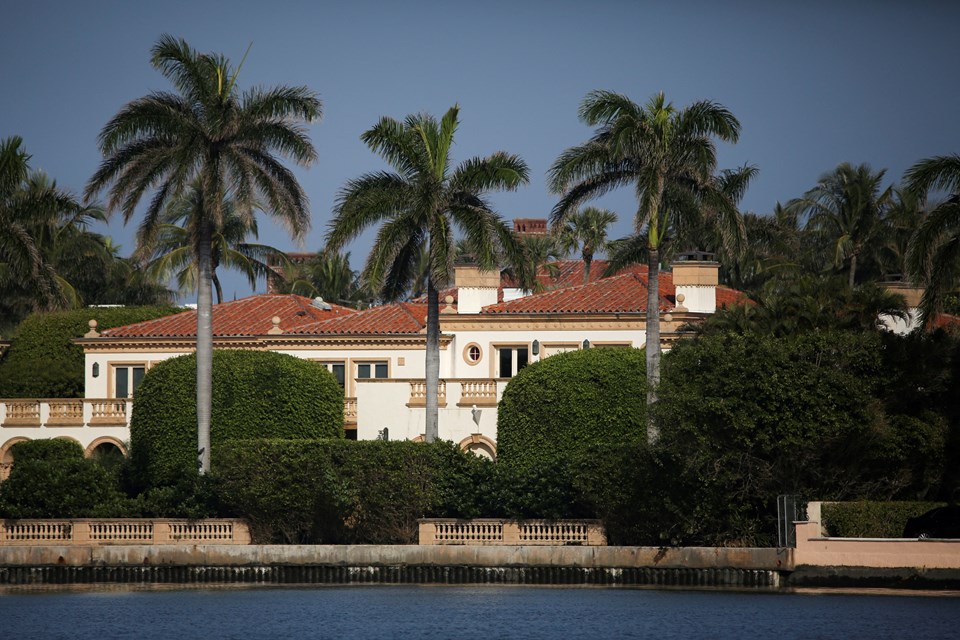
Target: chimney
{"type": "Point", "coordinates": [530, 226]}
{"type": "Point", "coordinates": [475, 288]}
{"type": "Point", "coordinates": [695, 277]}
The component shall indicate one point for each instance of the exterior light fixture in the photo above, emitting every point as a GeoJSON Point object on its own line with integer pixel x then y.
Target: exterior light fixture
{"type": "Point", "coordinates": [96, 369]}
{"type": "Point", "coordinates": [586, 344]}
{"type": "Point", "coordinates": [536, 347]}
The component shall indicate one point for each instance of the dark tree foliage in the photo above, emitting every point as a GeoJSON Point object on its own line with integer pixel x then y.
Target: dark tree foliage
{"type": "Point", "coordinates": [52, 479]}
{"type": "Point", "coordinates": [258, 394]}
{"type": "Point", "coordinates": [43, 362]}
{"type": "Point", "coordinates": [746, 418]}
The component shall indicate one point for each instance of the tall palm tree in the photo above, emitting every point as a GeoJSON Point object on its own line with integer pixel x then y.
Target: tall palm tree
{"type": "Point", "coordinates": [538, 251]}
{"type": "Point", "coordinates": [846, 208]}
{"type": "Point", "coordinates": [173, 248]}
{"type": "Point", "coordinates": [47, 253]}
{"type": "Point", "coordinates": [934, 253]}
{"type": "Point", "coordinates": [586, 231]}
{"type": "Point", "coordinates": [207, 132]}
{"type": "Point", "coordinates": [420, 206]}
{"type": "Point", "coordinates": [668, 156]}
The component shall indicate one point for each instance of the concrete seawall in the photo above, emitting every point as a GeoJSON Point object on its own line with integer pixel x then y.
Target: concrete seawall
{"type": "Point", "coordinates": [392, 564]}
{"type": "Point", "coordinates": [690, 567]}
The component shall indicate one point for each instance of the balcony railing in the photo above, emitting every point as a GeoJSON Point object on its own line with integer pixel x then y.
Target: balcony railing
{"type": "Point", "coordinates": [489, 531]}
{"type": "Point", "coordinates": [418, 393]}
{"type": "Point", "coordinates": [482, 393]}
{"type": "Point", "coordinates": [350, 411]}
{"type": "Point", "coordinates": [128, 531]}
{"type": "Point", "coordinates": [30, 412]}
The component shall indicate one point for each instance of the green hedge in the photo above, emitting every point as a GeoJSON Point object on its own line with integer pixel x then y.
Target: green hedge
{"type": "Point", "coordinates": [871, 519]}
{"type": "Point", "coordinates": [345, 492]}
{"type": "Point", "coordinates": [746, 418]}
{"type": "Point", "coordinates": [52, 479]}
{"type": "Point", "coordinates": [564, 404]}
{"type": "Point", "coordinates": [42, 362]}
{"type": "Point", "coordinates": [256, 394]}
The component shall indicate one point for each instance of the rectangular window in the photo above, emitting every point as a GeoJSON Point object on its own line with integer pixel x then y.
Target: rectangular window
{"type": "Point", "coordinates": [339, 371]}
{"type": "Point", "coordinates": [511, 360]}
{"type": "Point", "coordinates": [126, 379]}
{"type": "Point", "coordinates": [368, 370]}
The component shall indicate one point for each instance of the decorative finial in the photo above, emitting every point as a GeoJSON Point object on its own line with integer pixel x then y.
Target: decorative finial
{"type": "Point", "coordinates": [93, 330]}
{"type": "Point", "coordinates": [275, 329]}
{"type": "Point", "coordinates": [680, 299]}
{"type": "Point", "coordinates": [449, 308]}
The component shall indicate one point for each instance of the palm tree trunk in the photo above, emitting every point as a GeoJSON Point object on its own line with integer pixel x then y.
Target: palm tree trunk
{"type": "Point", "coordinates": [204, 348]}
{"type": "Point", "coordinates": [432, 362]}
{"type": "Point", "coordinates": [653, 340]}
{"type": "Point", "coordinates": [587, 259]}
{"type": "Point", "coordinates": [853, 271]}
{"type": "Point", "coordinates": [217, 287]}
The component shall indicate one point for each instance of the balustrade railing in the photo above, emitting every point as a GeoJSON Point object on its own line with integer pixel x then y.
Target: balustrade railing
{"type": "Point", "coordinates": [482, 393]}
{"type": "Point", "coordinates": [66, 413]}
{"type": "Point", "coordinates": [418, 393]}
{"type": "Point", "coordinates": [22, 413]}
{"type": "Point", "coordinates": [512, 532]}
{"type": "Point", "coordinates": [108, 412]}
{"type": "Point", "coordinates": [129, 531]}
{"type": "Point", "coordinates": [350, 411]}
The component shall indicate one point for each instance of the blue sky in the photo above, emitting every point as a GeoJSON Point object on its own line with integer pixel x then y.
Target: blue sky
{"type": "Point", "coordinates": [813, 83]}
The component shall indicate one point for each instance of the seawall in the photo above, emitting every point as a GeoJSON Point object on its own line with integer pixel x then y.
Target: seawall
{"type": "Point", "coordinates": [691, 567]}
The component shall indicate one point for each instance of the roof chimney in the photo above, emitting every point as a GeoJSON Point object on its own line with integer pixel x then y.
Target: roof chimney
{"type": "Point", "coordinates": [695, 277]}
{"type": "Point", "coordinates": [475, 288]}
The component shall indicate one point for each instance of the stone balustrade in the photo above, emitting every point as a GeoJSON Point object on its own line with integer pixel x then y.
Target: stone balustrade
{"type": "Point", "coordinates": [73, 412]}
{"type": "Point", "coordinates": [90, 531]}
{"type": "Point", "coordinates": [490, 531]}
{"type": "Point", "coordinates": [418, 393]}
{"type": "Point", "coordinates": [350, 411]}
{"type": "Point", "coordinates": [480, 393]}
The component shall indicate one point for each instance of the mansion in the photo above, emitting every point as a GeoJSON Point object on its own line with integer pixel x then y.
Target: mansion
{"type": "Point", "coordinates": [489, 331]}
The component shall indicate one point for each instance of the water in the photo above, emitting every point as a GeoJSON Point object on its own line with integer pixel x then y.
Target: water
{"type": "Point", "coordinates": [412, 612]}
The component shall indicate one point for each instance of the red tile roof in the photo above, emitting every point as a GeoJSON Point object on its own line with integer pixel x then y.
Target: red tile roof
{"type": "Point", "coordinates": [945, 321]}
{"type": "Point", "coordinates": [245, 317]}
{"type": "Point", "coordinates": [625, 292]}
{"type": "Point", "coordinates": [392, 319]}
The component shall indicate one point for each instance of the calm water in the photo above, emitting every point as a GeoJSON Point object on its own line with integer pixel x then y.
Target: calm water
{"type": "Point", "coordinates": [470, 612]}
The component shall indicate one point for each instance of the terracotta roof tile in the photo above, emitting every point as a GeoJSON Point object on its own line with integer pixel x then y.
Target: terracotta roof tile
{"type": "Point", "coordinates": [625, 293]}
{"type": "Point", "coordinates": [400, 318]}
{"type": "Point", "coordinates": [250, 316]}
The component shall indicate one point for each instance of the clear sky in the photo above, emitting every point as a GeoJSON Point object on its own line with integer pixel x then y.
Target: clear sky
{"type": "Point", "coordinates": [813, 83]}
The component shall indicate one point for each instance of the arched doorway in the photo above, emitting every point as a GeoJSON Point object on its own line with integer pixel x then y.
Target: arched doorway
{"type": "Point", "coordinates": [6, 456]}
{"type": "Point", "coordinates": [109, 452]}
{"type": "Point", "coordinates": [480, 445]}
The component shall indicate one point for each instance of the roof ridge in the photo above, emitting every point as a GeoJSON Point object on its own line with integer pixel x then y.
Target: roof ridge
{"type": "Point", "coordinates": [403, 307]}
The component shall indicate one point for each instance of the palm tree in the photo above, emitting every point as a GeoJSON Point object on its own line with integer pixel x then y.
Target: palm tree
{"type": "Point", "coordinates": [668, 156]}
{"type": "Point", "coordinates": [934, 253]}
{"type": "Point", "coordinates": [209, 134]}
{"type": "Point", "coordinates": [420, 206]}
{"type": "Point", "coordinates": [538, 251]}
{"type": "Point", "coordinates": [586, 231]}
{"type": "Point", "coordinates": [846, 208]}
{"type": "Point", "coordinates": [173, 248]}
{"type": "Point", "coordinates": [48, 257]}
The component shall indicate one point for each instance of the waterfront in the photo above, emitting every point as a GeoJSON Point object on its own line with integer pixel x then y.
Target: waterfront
{"type": "Point", "coordinates": [468, 612]}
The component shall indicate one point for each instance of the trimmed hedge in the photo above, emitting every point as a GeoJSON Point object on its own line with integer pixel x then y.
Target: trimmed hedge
{"type": "Point", "coordinates": [52, 479]}
{"type": "Point", "coordinates": [871, 519]}
{"type": "Point", "coordinates": [42, 362]}
{"type": "Point", "coordinates": [256, 394]}
{"type": "Point", "coordinates": [345, 492]}
{"type": "Point", "coordinates": [564, 404]}
{"type": "Point", "coordinates": [746, 418]}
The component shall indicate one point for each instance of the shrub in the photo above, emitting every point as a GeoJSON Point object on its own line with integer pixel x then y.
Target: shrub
{"type": "Point", "coordinates": [42, 362]}
{"type": "Point", "coordinates": [256, 394]}
{"type": "Point", "coordinates": [52, 479]}
{"type": "Point", "coordinates": [745, 418]}
{"type": "Point", "coordinates": [871, 519]}
{"type": "Point", "coordinates": [345, 492]}
{"type": "Point", "coordinates": [564, 404]}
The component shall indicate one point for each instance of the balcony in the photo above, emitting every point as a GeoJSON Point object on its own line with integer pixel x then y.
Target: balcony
{"type": "Point", "coordinates": [80, 412]}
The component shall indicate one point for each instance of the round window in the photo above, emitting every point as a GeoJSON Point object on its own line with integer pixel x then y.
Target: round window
{"type": "Point", "coordinates": [472, 354]}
